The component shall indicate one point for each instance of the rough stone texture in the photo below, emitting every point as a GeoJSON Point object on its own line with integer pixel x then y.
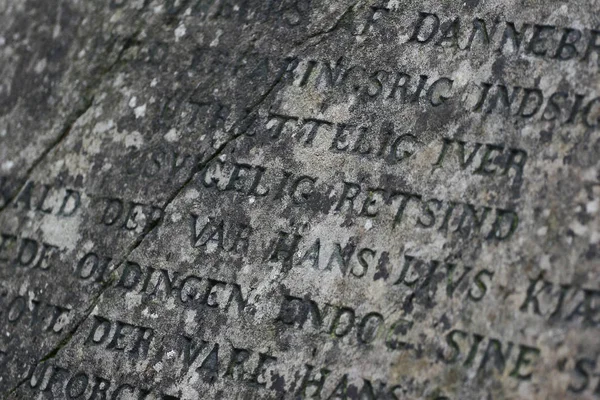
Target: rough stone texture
{"type": "Point", "coordinates": [229, 199]}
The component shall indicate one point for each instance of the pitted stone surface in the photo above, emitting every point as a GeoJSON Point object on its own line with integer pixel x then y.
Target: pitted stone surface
{"type": "Point", "coordinates": [299, 199]}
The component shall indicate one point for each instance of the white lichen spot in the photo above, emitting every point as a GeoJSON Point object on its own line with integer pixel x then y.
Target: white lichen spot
{"type": "Point", "coordinates": [192, 194]}
{"type": "Point", "coordinates": [215, 42]}
{"type": "Point", "coordinates": [545, 262]}
{"type": "Point", "coordinates": [176, 217]}
{"type": "Point", "coordinates": [56, 31]}
{"type": "Point", "coordinates": [180, 32]}
{"type": "Point", "coordinates": [271, 124]}
{"type": "Point", "coordinates": [148, 314]}
{"type": "Point", "coordinates": [393, 4]}
{"type": "Point", "coordinates": [133, 102]}
{"type": "Point", "coordinates": [62, 232]}
{"type": "Point", "coordinates": [592, 207]}
{"type": "Point", "coordinates": [251, 200]}
{"type": "Point", "coordinates": [368, 225]}
{"type": "Point", "coordinates": [140, 111]}
{"type": "Point", "coordinates": [170, 304]}
{"type": "Point", "coordinates": [172, 135]}
{"type": "Point", "coordinates": [158, 366]}
{"type": "Point", "coordinates": [103, 126]}
{"type": "Point", "coordinates": [40, 66]}
{"type": "Point", "coordinates": [134, 139]}
{"type": "Point", "coordinates": [154, 82]}
{"type": "Point", "coordinates": [542, 231]}
{"type": "Point", "coordinates": [7, 165]}
{"type": "Point", "coordinates": [61, 323]}
{"type": "Point", "coordinates": [119, 80]}
{"type": "Point", "coordinates": [578, 229]}
{"type": "Point", "coordinates": [589, 174]}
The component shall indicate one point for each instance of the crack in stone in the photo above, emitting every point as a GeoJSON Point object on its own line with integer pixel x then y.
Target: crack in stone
{"type": "Point", "coordinates": [251, 111]}
{"type": "Point", "coordinates": [68, 127]}
{"type": "Point", "coordinates": [334, 27]}
{"type": "Point", "coordinates": [237, 126]}
{"type": "Point", "coordinates": [72, 119]}
{"type": "Point", "coordinates": [128, 42]}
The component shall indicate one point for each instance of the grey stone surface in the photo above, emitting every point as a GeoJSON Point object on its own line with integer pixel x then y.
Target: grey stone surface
{"type": "Point", "coordinates": [299, 199]}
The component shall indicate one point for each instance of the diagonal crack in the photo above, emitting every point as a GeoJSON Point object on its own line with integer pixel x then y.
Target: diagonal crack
{"type": "Point", "coordinates": [320, 35]}
{"type": "Point", "coordinates": [71, 119]}
{"type": "Point", "coordinates": [128, 42]}
{"type": "Point", "coordinates": [64, 132]}
{"type": "Point", "coordinates": [238, 129]}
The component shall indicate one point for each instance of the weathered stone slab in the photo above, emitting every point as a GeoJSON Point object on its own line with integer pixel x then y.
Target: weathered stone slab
{"type": "Point", "coordinates": [299, 199]}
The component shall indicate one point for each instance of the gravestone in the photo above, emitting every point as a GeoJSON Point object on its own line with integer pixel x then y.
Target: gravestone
{"type": "Point", "coordinates": [299, 199]}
